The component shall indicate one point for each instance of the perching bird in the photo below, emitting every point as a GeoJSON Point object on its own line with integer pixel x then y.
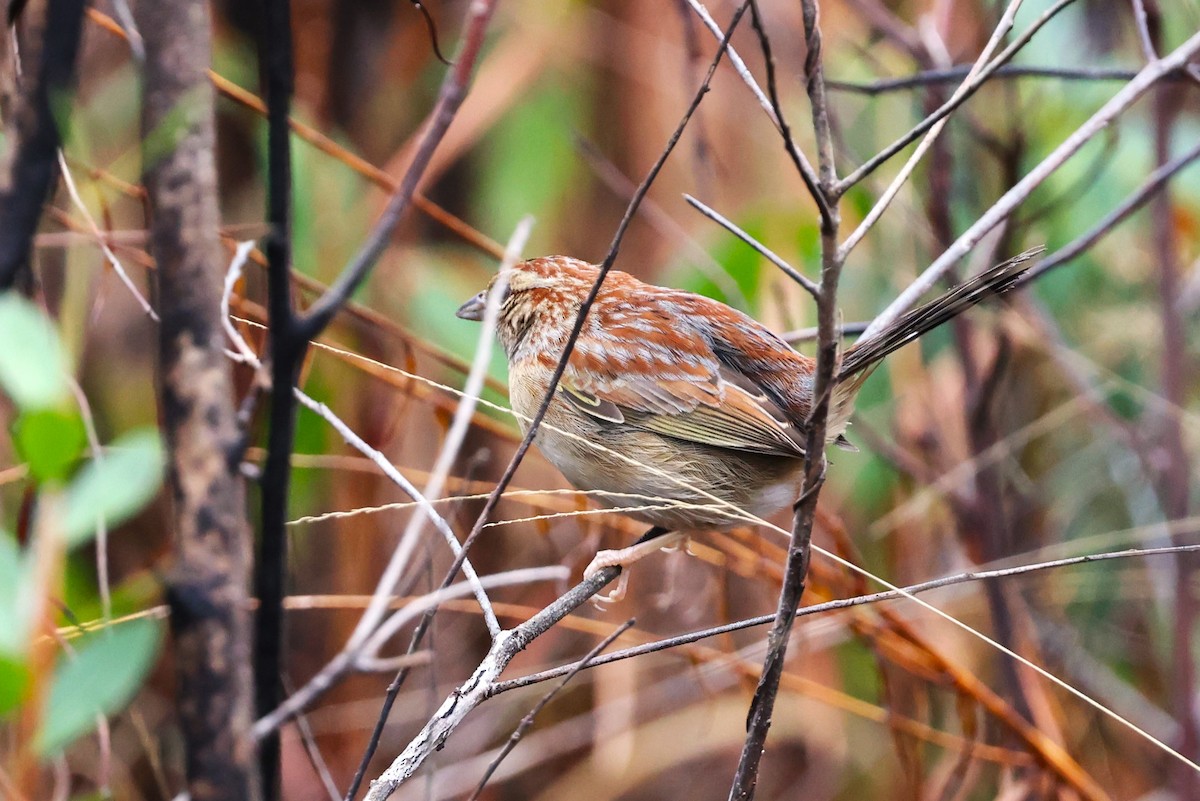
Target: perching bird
{"type": "Point", "coordinates": [674, 407]}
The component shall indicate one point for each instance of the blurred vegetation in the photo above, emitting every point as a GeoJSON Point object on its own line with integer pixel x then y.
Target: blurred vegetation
{"type": "Point", "coordinates": [571, 104]}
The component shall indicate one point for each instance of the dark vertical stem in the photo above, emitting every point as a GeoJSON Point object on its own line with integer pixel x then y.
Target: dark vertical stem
{"type": "Point", "coordinates": [758, 721]}
{"type": "Point", "coordinates": [35, 132]}
{"type": "Point", "coordinates": [287, 353]}
{"type": "Point", "coordinates": [207, 584]}
{"type": "Point", "coordinates": [1174, 479]}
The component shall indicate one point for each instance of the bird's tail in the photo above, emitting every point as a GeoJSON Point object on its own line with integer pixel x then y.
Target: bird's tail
{"type": "Point", "coordinates": [921, 320]}
{"type": "Point", "coordinates": [861, 359]}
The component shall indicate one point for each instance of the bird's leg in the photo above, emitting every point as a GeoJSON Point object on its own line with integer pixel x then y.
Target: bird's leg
{"type": "Point", "coordinates": [653, 540]}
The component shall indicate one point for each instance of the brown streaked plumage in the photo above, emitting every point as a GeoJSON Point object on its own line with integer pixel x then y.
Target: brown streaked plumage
{"type": "Point", "coordinates": [707, 401]}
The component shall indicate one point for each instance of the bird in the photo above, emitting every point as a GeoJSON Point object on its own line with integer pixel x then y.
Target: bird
{"type": "Point", "coordinates": [674, 408]}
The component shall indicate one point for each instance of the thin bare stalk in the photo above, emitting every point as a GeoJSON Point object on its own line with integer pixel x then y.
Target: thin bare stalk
{"type": "Point", "coordinates": [1002, 28]}
{"type": "Point", "coordinates": [949, 106]}
{"type": "Point", "coordinates": [837, 605]}
{"type": "Point", "coordinates": [732, 227]}
{"type": "Point", "coordinates": [1003, 207]}
{"type": "Point", "coordinates": [795, 573]}
{"type": "Point", "coordinates": [527, 721]}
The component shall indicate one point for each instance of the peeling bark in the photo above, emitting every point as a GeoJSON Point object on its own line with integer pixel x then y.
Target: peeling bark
{"type": "Point", "coordinates": [208, 581]}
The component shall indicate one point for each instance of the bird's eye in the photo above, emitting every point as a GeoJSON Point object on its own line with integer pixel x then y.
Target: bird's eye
{"type": "Point", "coordinates": [504, 296]}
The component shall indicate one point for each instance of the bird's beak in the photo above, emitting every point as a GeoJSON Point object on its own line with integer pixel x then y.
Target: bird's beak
{"type": "Point", "coordinates": [473, 308]}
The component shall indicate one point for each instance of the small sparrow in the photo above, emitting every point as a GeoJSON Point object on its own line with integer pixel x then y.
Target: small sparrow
{"type": "Point", "coordinates": [675, 408]}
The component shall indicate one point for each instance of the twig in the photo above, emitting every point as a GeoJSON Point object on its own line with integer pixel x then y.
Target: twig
{"type": "Point", "coordinates": [1002, 28]}
{"type": "Point", "coordinates": [739, 66]}
{"type": "Point", "coordinates": [730, 226]}
{"type": "Point", "coordinates": [949, 106]}
{"type": "Point", "coordinates": [137, 48]}
{"type": "Point", "coordinates": [313, 751]}
{"type": "Point", "coordinates": [1000, 210]}
{"type": "Point", "coordinates": [807, 174]}
{"type": "Point", "coordinates": [958, 73]}
{"type": "Point", "coordinates": [450, 97]}
{"type": "Point", "coordinates": [837, 605]}
{"type": "Point", "coordinates": [653, 213]}
{"type": "Point", "coordinates": [1145, 38]}
{"type": "Point", "coordinates": [478, 687]}
{"type": "Point", "coordinates": [527, 721]}
{"type": "Point", "coordinates": [808, 334]}
{"type": "Point", "coordinates": [93, 438]}
{"type": "Point", "coordinates": [1153, 185]}
{"type": "Point", "coordinates": [762, 705]}
{"type": "Point", "coordinates": [348, 659]}
{"type": "Point", "coordinates": [113, 261]}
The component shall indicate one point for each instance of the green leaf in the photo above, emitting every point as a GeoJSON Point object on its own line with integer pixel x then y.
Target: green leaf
{"type": "Point", "coordinates": [114, 488]}
{"type": "Point", "coordinates": [14, 681]}
{"type": "Point", "coordinates": [33, 368]}
{"type": "Point", "coordinates": [50, 441]}
{"type": "Point", "coordinates": [106, 671]}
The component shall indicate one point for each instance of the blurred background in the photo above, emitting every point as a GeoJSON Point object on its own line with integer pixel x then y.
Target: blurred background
{"type": "Point", "coordinates": [1060, 422]}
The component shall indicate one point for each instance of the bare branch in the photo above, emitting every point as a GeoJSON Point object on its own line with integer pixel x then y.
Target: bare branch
{"type": "Point", "coordinates": [1154, 183]}
{"type": "Point", "coordinates": [28, 167]}
{"type": "Point", "coordinates": [1000, 210]}
{"type": "Point", "coordinates": [1002, 28]}
{"type": "Point", "coordinates": [450, 97]}
{"type": "Point", "coordinates": [837, 605]}
{"type": "Point", "coordinates": [949, 106]}
{"type": "Point", "coordinates": [730, 226]}
{"type": "Point", "coordinates": [527, 721]}
{"type": "Point", "coordinates": [957, 74]}
{"type": "Point", "coordinates": [758, 719]}
{"type": "Point", "coordinates": [479, 686]}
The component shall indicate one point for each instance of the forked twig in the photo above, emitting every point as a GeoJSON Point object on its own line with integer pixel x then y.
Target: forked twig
{"type": "Point", "coordinates": [527, 721]}
{"type": "Point", "coordinates": [1147, 77]}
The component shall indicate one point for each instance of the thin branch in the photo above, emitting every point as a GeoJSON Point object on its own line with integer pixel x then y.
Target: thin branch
{"type": "Point", "coordinates": [1003, 207]}
{"type": "Point", "coordinates": [956, 74]}
{"type": "Point", "coordinates": [113, 261]}
{"type": "Point", "coordinates": [653, 213]}
{"type": "Point", "coordinates": [287, 354]}
{"type": "Point", "coordinates": [762, 705]}
{"type": "Point", "coordinates": [137, 47]}
{"type": "Point", "coordinates": [967, 91]}
{"type": "Point", "coordinates": [739, 66]}
{"type": "Point", "coordinates": [1145, 37]}
{"type": "Point", "coordinates": [1153, 185]}
{"type": "Point", "coordinates": [807, 174]}
{"type": "Point", "coordinates": [732, 227]}
{"type": "Point", "coordinates": [478, 687]}
{"type": "Point", "coordinates": [808, 334]}
{"type": "Point", "coordinates": [349, 660]}
{"type": "Point", "coordinates": [527, 721]}
{"type": "Point", "coordinates": [837, 605]}
{"type": "Point", "coordinates": [450, 97]}
{"type": "Point", "coordinates": [1002, 28]}
{"type": "Point", "coordinates": [315, 757]}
